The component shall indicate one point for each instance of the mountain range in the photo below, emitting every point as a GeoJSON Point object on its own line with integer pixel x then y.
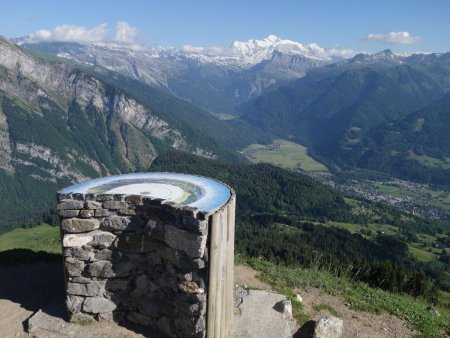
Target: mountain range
{"type": "Point", "coordinates": [215, 78]}
{"type": "Point", "coordinates": [62, 122]}
{"type": "Point", "coordinates": [360, 113]}
{"type": "Point", "coordinates": [69, 111]}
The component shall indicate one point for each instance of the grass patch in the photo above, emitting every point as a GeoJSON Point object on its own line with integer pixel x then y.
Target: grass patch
{"type": "Point", "coordinates": [373, 227]}
{"type": "Point", "coordinates": [284, 154]}
{"type": "Point", "coordinates": [85, 322]}
{"type": "Point", "coordinates": [431, 162]}
{"type": "Point", "coordinates": [329, 308]}
{"type": "Point", "coordinates": [359, 295]}
{"type": "Point", "coordinates": [421, 254]}
{"type": "Point", "coordinates": [44, 238]}
{"type": "Point", "coordinates": [25, 246]}
{"type": "Point", "coordinates": [297, 307]}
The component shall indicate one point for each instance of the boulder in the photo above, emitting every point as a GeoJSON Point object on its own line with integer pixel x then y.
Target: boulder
{"type": "Point", "coordinates": [285, 307]}
{"type": "Point", "coordinates": [329, 327]}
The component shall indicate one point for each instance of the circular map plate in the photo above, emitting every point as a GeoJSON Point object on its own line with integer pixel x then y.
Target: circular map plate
{"type": "Point", "coordinates": [190, 190]}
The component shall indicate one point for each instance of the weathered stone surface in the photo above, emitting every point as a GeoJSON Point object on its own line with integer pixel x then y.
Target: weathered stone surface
{"type": "Point", "coordinates": [74, 267]}
{"type": "Point", "coordinates": [116, 223]}
{"type": "Point", "coordinates": [126, 212]}
{"type": "Point", "coordinates": [117, 285]}
{"type": "Point", "coordinates": [102, 213]}
{"type": "Point", "coordinates": [136, 243]}
{"type": "Point", "coordinates": [81, 280]}
{"type": "Point", "coordinates": [104, 254]}
{"type": "Point", "coordinates": [63, 197]}
{"type": "Point", "coordinates": [103, 269]}
{"type": "Point", "coordinates": [190, 287]}
{"type": "Point", "coordinates": [80, 317]}
{"type": "Point", "coordinates": [329, 327]}
{"type": "Point", "coordinates": [154, 230]}
{"type": "Point", "coordinates": [95, 288]}
{"type": "Point", "coordinates": [139, 318]}
{"type": "Point", "coordinates": [114, 205]}
{"type": "Point", "coordinates": [70, 204]}
{"type": "Point", "coordinates": [82, 253]}
{"type": "Point", "coordinates": [133, 199]}
{"type": "Point", "coordinates": [76, 225]}
{"type": "Point", "coordinates": [258, 318]}
{"type": "Point", "coordinates": [285, 307]}
{"type": "Point", "coordinates": [77, 196]}
{"type": "Point", "coordinates": [87, 213]}
{"type": "Point", "coordinates": [104, 197]}
{"type": "Point", "coordinates": [193, 245]}
{"type": "Point", "coordinates": [102, 239]}
{"type": "Point", "coordinates": [95, 238]}
{"type": "Point", "coordinates": [299, 298]}
{"type": "Point", "coordinates": [98, 305]}
{"type": "Point", "coordinates": [194, 225]}
{"type": "Point", "coordinates": [105, 317]}
{"type": "Point", "coordinates": [154, 304]}
{"type": "Point", "coordinates": [67, 213]}
{"type": "Point", "coordinates": [77, 240]}
{"type": "Point", "coordinates": [74, 303]}
{"type": "Point", "coordinates": [165, 325]}
{"type": "Point", "coordinates": [92, 205]}
{"type": "Point", "coordinates": [153, 259]}
{"type": "Point", "coordinates": [199, 263]}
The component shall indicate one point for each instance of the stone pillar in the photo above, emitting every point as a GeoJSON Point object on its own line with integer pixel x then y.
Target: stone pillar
{"type": "Point", "coordinates": [131, 258]}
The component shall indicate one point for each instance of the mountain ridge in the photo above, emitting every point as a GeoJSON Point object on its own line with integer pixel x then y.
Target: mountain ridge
{"type": "Point", "coordinates": [61, 123]}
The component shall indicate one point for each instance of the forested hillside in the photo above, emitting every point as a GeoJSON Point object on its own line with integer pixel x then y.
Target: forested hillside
{"type": "Point", "coordinates": [416, 147]}
{"type": "Point", "coordinates": [283, 216]}
{"type": "Point", "coordinates": [349, 112]}
{"type": "Point", "coordinates": [61, 123]}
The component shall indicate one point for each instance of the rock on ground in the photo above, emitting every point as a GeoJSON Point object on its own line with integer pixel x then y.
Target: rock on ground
{"type": "Point", "coordinates": [329, 327]}
{"type": "Point", "coordinates": [257, 316]}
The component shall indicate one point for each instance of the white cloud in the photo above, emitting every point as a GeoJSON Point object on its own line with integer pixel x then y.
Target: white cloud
{"type": "Point", "coordinates": [399, 38]}
{"type": "Point", "coordinates": [125, 35]}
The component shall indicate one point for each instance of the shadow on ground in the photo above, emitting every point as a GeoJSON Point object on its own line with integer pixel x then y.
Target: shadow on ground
{"type": "Point", "coordinates": [306, 331]}
{"type": "Point", "coordinates": [35, 280]}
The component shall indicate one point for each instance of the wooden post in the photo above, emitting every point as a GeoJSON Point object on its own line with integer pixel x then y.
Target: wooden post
{"type": "Point", "coordinates": [221, 272]}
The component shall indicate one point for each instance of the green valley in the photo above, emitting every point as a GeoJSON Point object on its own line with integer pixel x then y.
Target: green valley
{"type": "Point", "coordinates": [284, 154]}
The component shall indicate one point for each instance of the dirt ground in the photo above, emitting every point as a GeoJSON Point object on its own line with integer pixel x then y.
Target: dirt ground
{"type": "Point", "coordinates": [26, 289]}
{"type": "Point", "coordinates": [356, 324]}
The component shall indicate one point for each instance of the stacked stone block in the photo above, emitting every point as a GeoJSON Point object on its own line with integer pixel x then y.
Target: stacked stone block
{"type": "Point", "coordinates": [135, 259]}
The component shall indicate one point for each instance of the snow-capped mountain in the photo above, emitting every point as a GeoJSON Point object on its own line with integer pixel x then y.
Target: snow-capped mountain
{"type": "Point", "coordinates": [243, 54]}
{"type": "Point", "coordinates": [251, 52]}
{"type": "Point", "coordinates": [216, 78]}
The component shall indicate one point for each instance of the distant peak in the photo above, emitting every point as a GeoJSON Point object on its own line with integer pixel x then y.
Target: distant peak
{"type": "Point", "coordinates": [272, 38]}
{"type": "Point", "coordinates": [387, 51]}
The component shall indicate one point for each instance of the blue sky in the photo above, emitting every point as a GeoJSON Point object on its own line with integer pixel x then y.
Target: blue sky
{"type": "Point", "coordinates": [359, 25]}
